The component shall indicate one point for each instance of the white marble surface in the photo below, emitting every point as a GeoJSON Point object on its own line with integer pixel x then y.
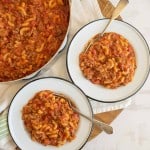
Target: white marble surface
{"type": "Point", "coordinates": [132, 126]}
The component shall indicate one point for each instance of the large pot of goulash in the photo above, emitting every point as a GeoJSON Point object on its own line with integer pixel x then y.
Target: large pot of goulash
{"type": "Point", "coordinates": [32, 32]}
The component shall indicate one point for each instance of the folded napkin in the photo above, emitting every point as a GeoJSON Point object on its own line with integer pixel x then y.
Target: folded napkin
{"type": "Point", "coordinates": [82, 12]}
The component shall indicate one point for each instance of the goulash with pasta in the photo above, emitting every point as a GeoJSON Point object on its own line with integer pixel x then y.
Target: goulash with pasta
{"type": "Point", "coordinates": [110, 61]}
{"type": "Point", "coordinates": [49, 119]}
{"type": "Point", "coordinates": [31, 32]}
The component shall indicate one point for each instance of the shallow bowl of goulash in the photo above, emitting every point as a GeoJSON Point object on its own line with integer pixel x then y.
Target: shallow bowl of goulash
{"type": "Point", "coordinates": [110, 67]}
{"type": "Point", "coordinates": [32, 32]}
{"type": "Point", "coordinates": [39, 118]}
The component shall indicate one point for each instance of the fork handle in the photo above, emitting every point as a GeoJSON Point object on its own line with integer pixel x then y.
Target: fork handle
{"type": "Point", "coordinates": [104, 127]}
{"type": "Point", "coordinates": [120, 6]}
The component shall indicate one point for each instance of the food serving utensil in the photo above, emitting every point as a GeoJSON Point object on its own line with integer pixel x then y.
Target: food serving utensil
{"type": "Point", "coordinates": [120, 6]}
{"type": "Point", "coordinates": [103, 126]}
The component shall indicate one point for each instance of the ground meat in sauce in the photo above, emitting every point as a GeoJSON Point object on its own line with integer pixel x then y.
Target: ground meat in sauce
{"type": "Point", "coordinates": [31, 32]}
{"type": "Point", "coordinates": [110, 61]}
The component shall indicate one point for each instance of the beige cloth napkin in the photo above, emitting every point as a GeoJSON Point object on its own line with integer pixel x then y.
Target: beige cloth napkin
{"type": "Point", "coordinates": [82, 12]}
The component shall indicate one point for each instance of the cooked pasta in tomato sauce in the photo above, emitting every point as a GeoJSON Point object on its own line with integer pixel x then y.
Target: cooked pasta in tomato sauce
{"type": "Point", "coordinates": [31, 32]}
{"type": "Point", "coordinates": [49, 119]}
{"type": "Point", "coordinates": [110, 61]}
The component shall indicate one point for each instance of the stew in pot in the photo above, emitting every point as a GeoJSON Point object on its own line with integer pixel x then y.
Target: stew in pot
{"type": "Point", "coordinates": [31, 32]}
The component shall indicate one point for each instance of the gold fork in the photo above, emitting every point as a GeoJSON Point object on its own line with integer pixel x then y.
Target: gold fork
{"type": "Point", "coordinates": [120, 6]}
{"type": "Point", "coordinates": [103, 126]}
